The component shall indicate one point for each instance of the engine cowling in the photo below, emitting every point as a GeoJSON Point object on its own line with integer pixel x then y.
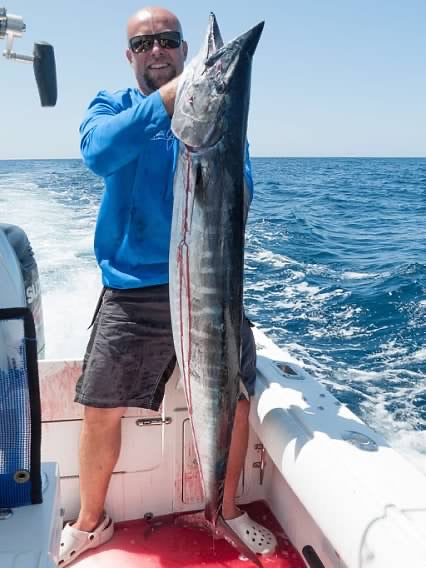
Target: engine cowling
{"type": "Point", "coordinates": [19, 277]}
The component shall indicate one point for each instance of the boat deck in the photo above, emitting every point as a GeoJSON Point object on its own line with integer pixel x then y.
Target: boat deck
{"type": "Point", "coordinates": [164, 545]}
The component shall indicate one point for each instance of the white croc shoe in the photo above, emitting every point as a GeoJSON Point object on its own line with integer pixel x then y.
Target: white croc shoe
{"type": "Point", "coordinates": [259, 539]}
{"type": "Point", "coordinates": [74, 542]}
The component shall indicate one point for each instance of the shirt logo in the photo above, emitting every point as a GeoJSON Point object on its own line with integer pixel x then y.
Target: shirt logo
{"type": "Point", "coordinates": [167, 136]}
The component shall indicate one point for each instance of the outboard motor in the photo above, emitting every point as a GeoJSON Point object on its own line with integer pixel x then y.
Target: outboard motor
{"type": "Point", "coordinates": [19, 278]}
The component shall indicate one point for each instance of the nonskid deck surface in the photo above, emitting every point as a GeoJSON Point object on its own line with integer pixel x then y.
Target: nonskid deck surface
{"type": "Point", "coordinates": [166, 545]}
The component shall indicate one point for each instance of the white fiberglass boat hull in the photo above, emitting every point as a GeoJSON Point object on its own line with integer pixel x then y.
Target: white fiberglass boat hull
{"type": "Point", "coordinates": [357, 502]}
{"type": "Point", "coordinates": [339, 504]}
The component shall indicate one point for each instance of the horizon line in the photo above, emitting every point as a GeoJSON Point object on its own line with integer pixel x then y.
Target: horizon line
{"type": "Point", "coordinates": [349, 156]}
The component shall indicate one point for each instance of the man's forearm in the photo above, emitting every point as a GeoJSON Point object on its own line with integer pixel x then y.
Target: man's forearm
{"type": "Point", "coordinates": [168, 94]}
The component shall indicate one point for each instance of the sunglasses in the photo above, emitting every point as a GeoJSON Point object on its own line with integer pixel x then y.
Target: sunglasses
{"type": "Point", "coordinates": [166, 40]}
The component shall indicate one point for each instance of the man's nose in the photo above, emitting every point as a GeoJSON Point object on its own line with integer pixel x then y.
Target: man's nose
{"type": "Point", "coordinates": [156, 47]}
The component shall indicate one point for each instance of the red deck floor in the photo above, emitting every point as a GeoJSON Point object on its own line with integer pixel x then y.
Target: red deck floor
{"type": "Point", "coordinates": [170, 546]}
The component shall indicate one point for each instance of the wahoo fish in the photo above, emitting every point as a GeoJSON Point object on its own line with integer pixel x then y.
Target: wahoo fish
{"type": "Point", "coordinates": [207, 247]}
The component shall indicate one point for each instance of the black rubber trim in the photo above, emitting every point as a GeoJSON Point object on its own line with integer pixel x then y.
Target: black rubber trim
{"type": "Point", "coordinates": [312, 557]}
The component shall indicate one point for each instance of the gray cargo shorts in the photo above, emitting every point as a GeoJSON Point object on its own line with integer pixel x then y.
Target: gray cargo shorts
{"type": "Point", "coordinates": [130, 355]}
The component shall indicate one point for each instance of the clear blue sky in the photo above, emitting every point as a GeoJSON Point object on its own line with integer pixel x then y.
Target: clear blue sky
{"type": "Point", "coordinates": [330, 77]}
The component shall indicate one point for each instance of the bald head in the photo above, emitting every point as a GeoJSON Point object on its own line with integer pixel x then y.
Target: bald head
{"type": "Point", "coordinates": [159, 64]}
{"type": "Point", "coordinates": [153, 19]}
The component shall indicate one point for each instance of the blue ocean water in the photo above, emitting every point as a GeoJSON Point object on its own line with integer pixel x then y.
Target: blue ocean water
{"type": "Point", "coordinates": [335, 271]}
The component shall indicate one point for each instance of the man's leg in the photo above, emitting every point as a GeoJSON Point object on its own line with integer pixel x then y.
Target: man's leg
{"type": "Point", "coordinates": [237, 455]}
{"type": "Point", "coordinates": [259, 539]}
{"type": "Point", "coordinates": [100, 443]}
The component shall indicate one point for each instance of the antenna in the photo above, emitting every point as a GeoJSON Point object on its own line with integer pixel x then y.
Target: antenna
{"type": "Point", "coordinates": [43, 58]}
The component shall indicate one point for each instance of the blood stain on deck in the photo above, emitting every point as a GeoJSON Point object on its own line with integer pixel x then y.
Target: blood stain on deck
{"type": "Point", "coordinates": [135, 544]}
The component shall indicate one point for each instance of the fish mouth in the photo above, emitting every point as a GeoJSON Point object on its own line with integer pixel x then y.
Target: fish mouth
{"type": "Point", "coordinates": [203, 149]}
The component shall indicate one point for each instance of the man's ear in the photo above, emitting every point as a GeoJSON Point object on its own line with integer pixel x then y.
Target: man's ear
{"type": "Point", "coordinates": [185, 49]}
{"type": "Point", "coordinates": [129, 55]}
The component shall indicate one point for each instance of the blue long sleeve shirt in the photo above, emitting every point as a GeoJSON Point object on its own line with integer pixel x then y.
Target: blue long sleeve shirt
{"type": "Point", "coordinates": [126, 139]}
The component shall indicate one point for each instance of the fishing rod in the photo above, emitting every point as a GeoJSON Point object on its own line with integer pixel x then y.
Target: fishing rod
{"type": "Point", "coordinates": [43, 57]}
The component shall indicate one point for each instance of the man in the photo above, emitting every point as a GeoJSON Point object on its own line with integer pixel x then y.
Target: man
{"type": "Point", "coordinates": [126, 138]}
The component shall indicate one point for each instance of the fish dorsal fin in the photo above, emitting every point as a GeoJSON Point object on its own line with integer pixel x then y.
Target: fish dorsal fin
{"type": "Point", "coordinates": [213, 40]}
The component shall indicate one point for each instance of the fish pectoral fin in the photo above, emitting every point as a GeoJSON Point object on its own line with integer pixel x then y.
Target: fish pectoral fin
{"type": "Point", "coordinates": [199, 184]}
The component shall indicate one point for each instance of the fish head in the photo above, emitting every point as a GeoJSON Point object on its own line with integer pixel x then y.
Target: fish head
{"type": "Point", "coordinates": [213, 94]}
